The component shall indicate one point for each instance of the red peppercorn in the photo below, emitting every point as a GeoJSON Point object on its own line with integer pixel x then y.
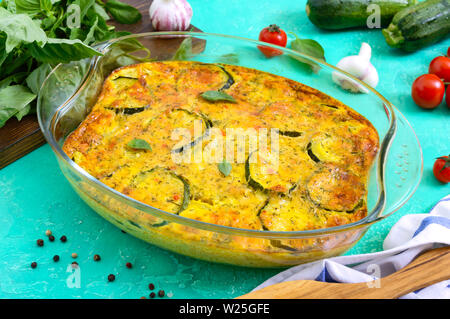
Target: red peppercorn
{"type": "Point", "coordinates": [97, 258]}
{"type": "Point", "coordinates": [40, 242]}
{"type": "Point", "coordinates": [63, 239]}
{"type": "Point", "coordinates": [152, 295]}
{"type": "Point", "coordinates": [129, 265]}
{"type": "Point", "coordinates": [143, 297]}
{"type": "Point", "coordinates": [111, 277]}
{"type": "Point", "coordinates": [151, 286]}
{"type": "Point", "coordinates": [161, 293]}
{"type": "Point", "coordinates": [33, 264]}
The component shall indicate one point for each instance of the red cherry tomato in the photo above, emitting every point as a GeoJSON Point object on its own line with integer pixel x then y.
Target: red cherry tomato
{"type": "Point", "coordinates": [428, 91]}
{"type": "Point", "coordinates": [441, 67]}
{"type": "Point", "coordinates": [441, 169]}
{"type": "Point", "coordinates": [447, 96]}
{"type": "Point", "coordinates": [274, 35]}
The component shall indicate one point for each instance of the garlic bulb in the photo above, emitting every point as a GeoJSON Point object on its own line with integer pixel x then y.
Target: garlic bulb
{"type": "Point", "coordinates": [359, 66]}
{"type": "Point", "coordinates": [170, 15]}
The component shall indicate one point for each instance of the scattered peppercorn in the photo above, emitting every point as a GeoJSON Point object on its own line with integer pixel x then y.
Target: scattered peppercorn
{"type": "Point", "coordinates": [143, 297]}
{"type": "Point", "coordinates": [161, 293]}
{"type": "Point", "coordinates": [55, 258]}
{"type": "Point", "coordinates": [111, 277]}
{"type": "Point", "coordinates": [97, 258]}
{"type": "Point", "coordinates": [48, 232]}
{"type": "Point", "coordinates": [51, 238]}
{"type": "Point", "coordinates": [129, 265]}
{"type": "Point", "coordinates": [33, 264]}
{"type": "Point", "coordinates": [152, 295]}
{"type": "Point", "coordinates": [151, 286]}
{"type": "Point", "coordinates": [74, 264]}
{"type": "Point", "coordinates": [63, 239]}
{"type": "Point", "coordinates": [74, 255]}
{"type": "Point", "coordinates": [40, 242]}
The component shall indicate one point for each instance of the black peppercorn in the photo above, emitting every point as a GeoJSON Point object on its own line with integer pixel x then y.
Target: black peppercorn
{"type": "Point", "coordinates": [97, 258]}
{"type": "Point", "coordinates": [151, 286]}
{"type": "Point", "coordinates": [63, 239]}
{"type": "Point", "coordinates": [111, 277]}
{"type": "Point", "coordinates": [161, 293]}
{"type": "Point", "coordinates": [33, 264]}
{"type": "Point", "coordinates": [40, 242]}
{"type": "Point", "coordinates": [55, 258]}
{"type": "Point", "coordinates": [51, 238]}
{"type": "Point", "coordinates": [152, 295]}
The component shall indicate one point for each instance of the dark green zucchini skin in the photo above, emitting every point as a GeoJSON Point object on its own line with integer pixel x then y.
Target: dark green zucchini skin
{"type": "Point", "coordinates": [344, 14]}
{"type": "Point", "coordinates": [418, 26]}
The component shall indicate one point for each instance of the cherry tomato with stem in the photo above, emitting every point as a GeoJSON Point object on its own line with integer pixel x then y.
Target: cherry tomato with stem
{"type": "Point", "coordinates": [274, 35]}
{"type": "Point", "coordinates": [441, 67]}
{"type": "Point", "coordinates": [428, 91]}
{"type": "Point", "coordinates": [441, 169]}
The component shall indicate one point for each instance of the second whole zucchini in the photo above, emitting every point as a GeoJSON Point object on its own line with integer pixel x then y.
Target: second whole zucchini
{"type": "Point", "coordinates": [343, 14]}
{"type": "Point", "coordinates": [420, 25]}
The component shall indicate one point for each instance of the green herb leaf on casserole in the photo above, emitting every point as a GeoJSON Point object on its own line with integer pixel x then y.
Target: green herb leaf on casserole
{"type": "Point", "coordinates": [216, 96]}
{"type": "Point", "coordinates": [225, 167]}
{"type": "Point", "coordinates": [139, 144]}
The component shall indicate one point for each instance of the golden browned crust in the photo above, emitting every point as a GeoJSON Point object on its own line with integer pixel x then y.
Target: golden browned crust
{"type": "Point", "coordinates": [326, 148]}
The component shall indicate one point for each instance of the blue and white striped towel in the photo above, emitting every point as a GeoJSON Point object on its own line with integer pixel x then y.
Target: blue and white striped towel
{"type": "Point", "coordinates": [411, 235]}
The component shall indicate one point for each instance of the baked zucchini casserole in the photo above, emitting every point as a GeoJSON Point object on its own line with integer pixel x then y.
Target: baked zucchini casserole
{"type": "Point", "coordinates": [318, 178]}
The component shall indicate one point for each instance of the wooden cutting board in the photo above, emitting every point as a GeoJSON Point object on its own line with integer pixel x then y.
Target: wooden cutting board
{"type": "Point", "coordinates": [19, 138]}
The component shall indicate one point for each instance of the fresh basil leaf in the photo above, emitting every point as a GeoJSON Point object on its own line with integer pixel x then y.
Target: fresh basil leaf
{"type": "Point", "coordinates": [28, 6]}
{"type": "Point", "coordinates": [139, 144]}
{"type": "Point", "coordinates": [98, 9]}
{"type": "Point", "coordinates": [90, 37]}
{"type": "Point", "coordinates": [13, 78]}
{"type": "Point", "coordinates": [184, 51]}
{"type": "Point", "coordinates": [46, 5]}
{"type": "Point", "coordinates": [122, 12]}
{"type": "Point", "coordinates": [215, 96]}
{"type": "Point", "coordinates": [19, 115]}
{"type": "Point", "coordinates": [19, 28]}
{"type": "Point", "coordinates": [3, 53]}
{"type": "Point", "coordinates": [36, 78]}
{"type": "Point", "coordinates": [311, 48]}
{"type": "Point", "coordinates": [225, 167]}
{"type": "Point", "coordinates": [13, 99]}
{"type": "Point", "coordinates": [62, 51]}
{"type": "Point", "coordinates": [84, 5]}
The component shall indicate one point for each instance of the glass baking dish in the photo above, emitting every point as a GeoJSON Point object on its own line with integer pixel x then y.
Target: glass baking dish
{"type": "Point", "coordinates": [70, 91]}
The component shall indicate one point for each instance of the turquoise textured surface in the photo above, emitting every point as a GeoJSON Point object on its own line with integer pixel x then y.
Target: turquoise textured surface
{"type": "Point", "coordinates": [34, 195]}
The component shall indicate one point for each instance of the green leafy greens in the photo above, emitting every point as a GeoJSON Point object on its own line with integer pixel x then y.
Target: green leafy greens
{"type": "Point", "coordinates": [36, 35]}
{"type": "Point", "coordinates": [139, 144]}
{"type": "Point", "coordinates": [311, 48]}
{"type": "Point", "coordinates": [215, 96]}
{"type": "Point", "coordinates": [225, 167]}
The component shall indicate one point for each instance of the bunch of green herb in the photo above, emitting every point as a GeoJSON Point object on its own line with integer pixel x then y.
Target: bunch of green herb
{"type": "Point", "coordinates": [36, 35]}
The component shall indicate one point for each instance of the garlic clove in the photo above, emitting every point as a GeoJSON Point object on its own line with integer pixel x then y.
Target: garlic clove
{"type": "Point", "coordinates": [360, 67]}
{"type": "Point", "coordinates": [170, 15]}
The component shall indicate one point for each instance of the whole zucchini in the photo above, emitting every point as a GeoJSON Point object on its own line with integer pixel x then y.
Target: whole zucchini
{"type": "Point", "coordinates": [343, 14]}
{"type": "Point", "coordinates": [420, 25]}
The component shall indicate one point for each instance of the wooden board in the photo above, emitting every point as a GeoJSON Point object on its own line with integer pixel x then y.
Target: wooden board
{"type": "Point", "coordinates": [19, 138]}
